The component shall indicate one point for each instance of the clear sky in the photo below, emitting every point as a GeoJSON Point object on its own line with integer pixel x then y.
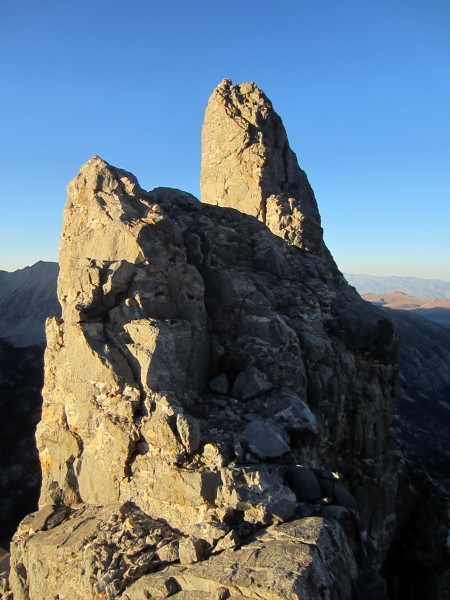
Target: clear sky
{"type": "Point", "coordinates": [363, 88]}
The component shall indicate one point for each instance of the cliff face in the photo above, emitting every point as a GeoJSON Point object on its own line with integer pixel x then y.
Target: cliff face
{"type": "Point", "coordinates": [213, 384]}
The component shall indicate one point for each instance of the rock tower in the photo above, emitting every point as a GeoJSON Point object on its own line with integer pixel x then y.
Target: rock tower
{"type": "Point", "coordinates": [247, 164]}
{"type": "Point", "coordinates": [218, 415]}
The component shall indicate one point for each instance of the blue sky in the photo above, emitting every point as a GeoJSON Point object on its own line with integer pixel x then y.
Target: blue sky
{"type": "Point", "coordinates": [363, 88]}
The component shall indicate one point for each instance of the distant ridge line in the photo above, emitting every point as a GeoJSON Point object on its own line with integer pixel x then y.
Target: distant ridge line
{"type": "Point", "coordinates": [427, 289]}
{"type": "Point", "coordinates": [396, 277]}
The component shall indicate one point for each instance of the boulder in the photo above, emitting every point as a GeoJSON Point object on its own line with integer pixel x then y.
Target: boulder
{"type": "Point", "coordinates": [263, 440]}
{"type": "Point", "coordinates": [251, 383]}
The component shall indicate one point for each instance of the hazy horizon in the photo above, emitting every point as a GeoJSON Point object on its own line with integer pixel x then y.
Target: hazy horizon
{"type": "Point", "coordinates": [363, 90]}
{"type": "Point", "coordinates": [344, 272]}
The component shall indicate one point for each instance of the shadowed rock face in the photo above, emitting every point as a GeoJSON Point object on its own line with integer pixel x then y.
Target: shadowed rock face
{"type": "Point", "coordinates": [215, 375]}
{"type": "Point", "coordinates": [21, 378]}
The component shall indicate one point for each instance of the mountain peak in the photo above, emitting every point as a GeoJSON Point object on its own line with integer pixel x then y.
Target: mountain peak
{"type": "Point", "coordinates": [247, 164]}
{"type": "Point", "coordinates": [212, 376]}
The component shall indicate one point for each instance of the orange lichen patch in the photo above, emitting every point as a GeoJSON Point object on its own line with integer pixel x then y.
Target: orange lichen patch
{"type": "Point", "coordinates": [46, 460]}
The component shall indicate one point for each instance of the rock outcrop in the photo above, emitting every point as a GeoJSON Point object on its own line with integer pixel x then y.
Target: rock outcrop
{"type": "Point", "coordinates": [218, 401]}
{"type": "Point", "coordinates": [247, 164]}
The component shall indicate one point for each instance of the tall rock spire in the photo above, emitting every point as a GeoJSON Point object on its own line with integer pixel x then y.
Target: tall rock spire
{"type": "Point", "coordinates": [247, 164]}
{"type": "Point", "coordinates": [208, 381]}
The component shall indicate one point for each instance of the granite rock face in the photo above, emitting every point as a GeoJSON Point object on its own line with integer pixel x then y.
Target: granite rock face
{"type": "Point", "coordinates": [216, 379]}
{"type": "Point", "coordinates": [119, 551]}
{"type": "Point", "coordinates": [247, 164]}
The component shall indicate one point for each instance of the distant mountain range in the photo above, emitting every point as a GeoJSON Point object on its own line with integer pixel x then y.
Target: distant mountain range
{"type": "Point", "coordinates": [413, 286]}
{"type": "Point", "coordinates": [27, 298]}
{"type": "Point", "coordinates": [423, 395]}
{"type": "Point", "coordinates": [436, 310]}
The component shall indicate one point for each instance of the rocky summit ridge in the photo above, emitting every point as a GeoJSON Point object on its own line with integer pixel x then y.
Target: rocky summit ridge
{"type": "Point", "coordinates": [218, 402]}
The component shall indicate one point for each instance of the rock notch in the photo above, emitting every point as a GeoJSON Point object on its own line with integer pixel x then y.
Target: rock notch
{"type": "Point", "coordinates": [214, 394]}
{"type": "Point", "coordinates": [247, 164]}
